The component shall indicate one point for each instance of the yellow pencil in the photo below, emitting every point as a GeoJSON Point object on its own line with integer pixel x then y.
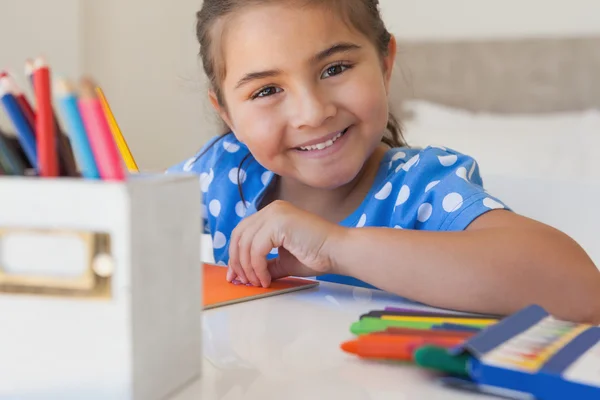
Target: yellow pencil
{"type": "Point", "coordinates": [116, 132]}
{"type": "Point", "coordinates": [441, 320]}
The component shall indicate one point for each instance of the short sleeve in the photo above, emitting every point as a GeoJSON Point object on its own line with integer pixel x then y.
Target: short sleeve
{"type": "Point", "coordinates": [442, 190]}
{"type": "Point", "coordinates": [202, 164]}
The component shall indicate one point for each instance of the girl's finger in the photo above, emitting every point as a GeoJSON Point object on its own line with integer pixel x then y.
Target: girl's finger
{"type": "Point", "coordinates": [234, 258]}
{"type": "Point", "coordinates": [261, 247]}
{"type": "Point", "coordinates": [245, 245]}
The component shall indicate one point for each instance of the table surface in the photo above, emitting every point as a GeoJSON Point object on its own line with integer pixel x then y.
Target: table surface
{"type": "Point", "coordinates": [288, 347]}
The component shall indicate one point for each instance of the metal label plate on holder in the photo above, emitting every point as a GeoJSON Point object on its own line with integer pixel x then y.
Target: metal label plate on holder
{"type": "Point", "coordinates": [56, 262]}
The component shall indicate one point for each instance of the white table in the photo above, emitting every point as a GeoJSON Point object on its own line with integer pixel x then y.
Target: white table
{"type": "Point", "coordinates": [288, 347]}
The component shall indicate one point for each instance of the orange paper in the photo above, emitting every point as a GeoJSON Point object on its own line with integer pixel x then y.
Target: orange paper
{"type": "Point", "coordinates": [218, 292]}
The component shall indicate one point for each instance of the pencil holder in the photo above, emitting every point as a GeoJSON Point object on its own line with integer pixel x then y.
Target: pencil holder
{"type": "Point", "coordinates": [100, 287]}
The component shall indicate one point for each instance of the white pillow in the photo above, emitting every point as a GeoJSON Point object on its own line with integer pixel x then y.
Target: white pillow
{"type": "Point", "coordinates": [561, 145]}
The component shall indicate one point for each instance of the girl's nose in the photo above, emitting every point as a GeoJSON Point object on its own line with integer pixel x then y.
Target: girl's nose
{"type": "Point", "coordinates": [311, 109]}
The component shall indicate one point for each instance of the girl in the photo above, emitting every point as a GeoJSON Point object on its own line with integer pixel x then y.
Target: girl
{"type": "Point", "coordinates": [315, 169]}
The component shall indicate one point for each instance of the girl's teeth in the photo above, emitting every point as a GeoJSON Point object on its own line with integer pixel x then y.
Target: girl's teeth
{"type": "Point", "coordinates": [324, 145]}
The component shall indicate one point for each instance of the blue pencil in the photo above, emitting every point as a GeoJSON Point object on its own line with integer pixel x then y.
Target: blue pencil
{"type": "Point", "coordinates": [25, 134]}
{"type": "Point", "coordinates": [76, 130]}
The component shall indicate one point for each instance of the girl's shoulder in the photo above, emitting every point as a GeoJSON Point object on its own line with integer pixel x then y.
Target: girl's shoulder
{"type": "Point", "coordinates": [220, 152]}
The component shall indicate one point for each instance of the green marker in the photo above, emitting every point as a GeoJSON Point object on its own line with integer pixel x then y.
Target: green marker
{"type": "Point", "coordinates": [370, 325]}
{"type": "Point", "coordinates": [438, 358]}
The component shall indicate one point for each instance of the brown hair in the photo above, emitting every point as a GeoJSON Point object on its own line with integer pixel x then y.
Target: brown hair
{"type": "Point", "coordinates": [362, 15]}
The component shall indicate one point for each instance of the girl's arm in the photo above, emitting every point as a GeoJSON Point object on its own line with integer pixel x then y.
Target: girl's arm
{"type": "Point", "coordinates": [501, 263]}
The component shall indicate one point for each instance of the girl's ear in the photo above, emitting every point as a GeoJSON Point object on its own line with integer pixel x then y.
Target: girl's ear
{"type": "Point", "coordinates": [212, 96]}
{"type": "Point", "coordinates": [389, 61]}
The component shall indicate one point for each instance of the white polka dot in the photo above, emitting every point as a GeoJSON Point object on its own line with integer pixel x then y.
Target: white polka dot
{"type": "Point", "coordinates": [222, 263]}
{"type": "Point", "coordinates": [425, 211]}
{"type": "Point", "coordinates": [203, 210]}
{"type": "Point", "coordinates": [399, 167]}
{"type": "Point", "coordinates": [411, 163]}
{"type": "Point", "coordinates": [274, 252]}
{"type": "Point", "coordinates": [233, 176]}
{"type": "Point", "coordinates": [403, 195]}
{"type": "Point", "coordinates": [398, 156]}
{"type": "Point", "coordinates": [231, 147]}
{"type": "Point", "coordinates": [452, 202]}
{"type": "Point", "coordinates": [266, 177]}
{"type": "Point", "coordinates": [240, 209]}
{"type": "Point", "coordinates": [187, 167]}
{"type": "Point", "coordinates": [448, 161]}
{"type": "Point", "coordinates": [439, 147]}
{"type": "Point", "coordinates": [385, 192]}
{"type": "Point", "coordinates": [219, 240]}
{"type": "Point", "coordinates": [215, 208]}
{"type": "Point", "coordinates": [398, 227]}
{"type": "Point", "coordinates": [472, 170]}
{"type": "Point", "coordinates": [206, 180]}
{"type": "Point", "coordinates": [462, 173]}
{"type": "Point", "coordinates": [491, 203]}
{"type": "Point", "coordinates": [431, 186]}
{"type": "Point", "coordinates": [362, 221]}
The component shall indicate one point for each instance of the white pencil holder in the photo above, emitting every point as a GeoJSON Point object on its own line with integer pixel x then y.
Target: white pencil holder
{"type": "Point", "coordinates": [100, 287]}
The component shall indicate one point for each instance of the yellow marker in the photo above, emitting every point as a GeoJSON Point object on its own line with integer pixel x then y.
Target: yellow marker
{"type": "Point", "coordinates": [441, 320]}
{"type": "Point", "coordinates": [117, 135]}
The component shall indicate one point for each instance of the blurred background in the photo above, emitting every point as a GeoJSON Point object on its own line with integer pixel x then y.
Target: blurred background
{"type": "Point", "coordinates": [144, 54]}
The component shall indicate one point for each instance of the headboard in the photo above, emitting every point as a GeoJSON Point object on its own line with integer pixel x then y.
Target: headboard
{"type": "Point", "coordinates": [538, 75]}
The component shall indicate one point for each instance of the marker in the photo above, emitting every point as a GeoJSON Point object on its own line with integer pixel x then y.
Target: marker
{"type": "Point", "coordinates": [425, 333]}
{"type": "Point", "coordinates": [391, 347]}
{"type": "Point", "coordinates": [24, 132]}
{"type": "Point", "coordinates": [458, 327]}
{"type": "Point", "coordinates": [381, 314]}
{"type": "Point", "coordinates": [442, 313]}
{"type": "Point", "coordinates": [438, 358]}
{"type": "Point", "coordinates": [368, 325]}
{"type": "Point", "coordinates": [438, 320]}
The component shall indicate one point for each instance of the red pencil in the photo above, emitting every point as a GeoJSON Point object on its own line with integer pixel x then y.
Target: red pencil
{"type": "Point", "coordinates": [46, 136]}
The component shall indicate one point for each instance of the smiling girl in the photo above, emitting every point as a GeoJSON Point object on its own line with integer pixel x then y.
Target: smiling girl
{"type": "Point", "coordinates": [313, 176]}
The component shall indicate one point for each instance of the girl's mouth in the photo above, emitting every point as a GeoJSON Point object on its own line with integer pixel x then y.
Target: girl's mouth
{"type": "Point", "coordinates": [325, 144]}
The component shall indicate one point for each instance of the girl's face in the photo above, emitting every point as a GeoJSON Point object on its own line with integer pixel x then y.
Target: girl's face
{"type": "Point", "coordinates": [305, 92]}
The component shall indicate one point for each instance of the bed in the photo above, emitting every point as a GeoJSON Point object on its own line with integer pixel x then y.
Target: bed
{"type": "Point", "coordinates": [528, 110]}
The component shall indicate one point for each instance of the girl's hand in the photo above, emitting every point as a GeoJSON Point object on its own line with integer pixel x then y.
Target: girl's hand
{"type": "Point", "coordinates": [303, 239]}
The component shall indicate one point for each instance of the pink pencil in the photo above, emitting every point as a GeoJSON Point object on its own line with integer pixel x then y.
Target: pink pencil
{"type": "Point", "coordinates": [100, 137]}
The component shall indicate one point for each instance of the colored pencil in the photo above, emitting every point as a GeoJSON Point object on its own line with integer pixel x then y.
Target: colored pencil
{"type": "Point", "coordinates": [116, 132]}
{"type": "Point", "coordinates": [67, 100]}
{"type": "Point", "coordinates": [9, 160]}
{"type": "Point", "coordinates": [24, 104]}
{"type": "Point", "coordinates": [45, 128]}
{"type": "Point", "coordinates": [24, 132]}
{"type": "Point", "coordinates": [103, 145]}
{"type": "Point", "coordinates": [390, 347]}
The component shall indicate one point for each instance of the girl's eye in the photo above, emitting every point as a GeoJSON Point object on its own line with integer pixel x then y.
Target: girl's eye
{"type": "Point", "coordinates": [265, 92]}
{"type": "Point", "coordinates": [334, 70]}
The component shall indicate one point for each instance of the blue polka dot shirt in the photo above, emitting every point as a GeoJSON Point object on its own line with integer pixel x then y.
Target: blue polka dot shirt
{"type": "Point", "coordinates": [435, 189]}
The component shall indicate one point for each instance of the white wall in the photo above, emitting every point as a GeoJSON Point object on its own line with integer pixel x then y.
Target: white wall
{"type": "Point", "coordinates": [452, 19]}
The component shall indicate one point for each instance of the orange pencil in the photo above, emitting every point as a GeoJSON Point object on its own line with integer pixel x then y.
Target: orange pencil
{"type": "Point", "coordinates": [394, 347]}
{"type": "Point", "coordinates": [45, 134]}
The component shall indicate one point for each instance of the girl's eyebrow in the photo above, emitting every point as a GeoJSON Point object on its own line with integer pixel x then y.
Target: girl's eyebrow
{"type": "Point", "coordinates": [320, 56]}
